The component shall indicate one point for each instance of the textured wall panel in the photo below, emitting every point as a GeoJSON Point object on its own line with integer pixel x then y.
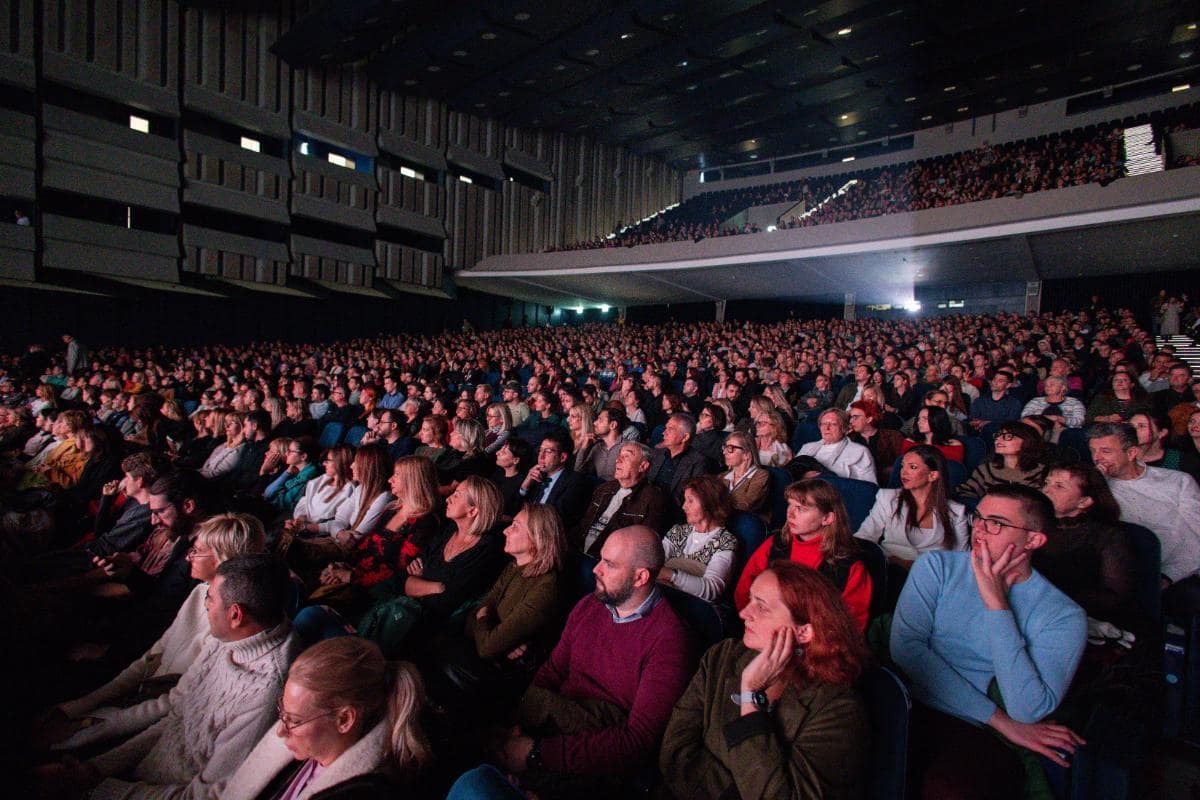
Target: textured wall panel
{"type": "Point", "coordinates": [229, 71]}
{"type": "Point", "coordinates": [16, 43]}
{"type": "Point", "coordinates": [125, 50]}
{"type": "Point", "coordinates": [226, 255]}
{"type": "Point", "coordinates": [18, 156]}
{"type": "Point", "coordinates": [336, 105]}
{"type": "Point", "coordinates": [408, 265]}
{"type": "Point", "coordinates": [86, 246]}
{"type": "Point", "coordinates": [224, 175]}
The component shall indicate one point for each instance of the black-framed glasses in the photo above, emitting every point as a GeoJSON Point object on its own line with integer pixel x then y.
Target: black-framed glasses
{"type": "Point", "coordinates": [290, 725]}
{"type": "Point", "coordinates": [991, 526]}
{"type": "Point", "coordinates": [729, 448]}
{"type": "Point", "coordinates": [1003, 436]}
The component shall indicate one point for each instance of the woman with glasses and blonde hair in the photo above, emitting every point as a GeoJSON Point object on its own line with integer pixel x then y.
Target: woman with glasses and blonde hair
{"type": "Point", "coordinates": [137, 696]}
{"type": "Point", "coordinates": [816, 535]}
{"type": "Point", "coordinates": [1017, 458]}
{"type": "Point", "coordinates": [583, 435]}
{"type": "Point", "coordinates": [349, 726]}
{"type": "Point", "coordinates": [499, 427]}
{"type": "Point", "coordinates": [224, 457]}
{"type": "Point", "coordinates": [770, 437]}
{"type": "Point", "coordinates": [749, 484]}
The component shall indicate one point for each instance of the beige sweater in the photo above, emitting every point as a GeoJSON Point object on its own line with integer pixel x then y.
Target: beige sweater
{"type": "Point", "coordinates": [172, 654]}
{"type": "Point", "coordinates": [221, 706]}
{"type": "Point", "coordinates": [270, 757]}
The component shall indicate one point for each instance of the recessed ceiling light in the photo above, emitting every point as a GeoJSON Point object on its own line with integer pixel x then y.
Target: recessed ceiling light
{"type": "Point", "coordinates": [1041, 90]}
{"type": "Point", "coordinates": [961, 109]}
{"type": "Point", "coordinates": [917, 43]}
{"type": "Point", "coordinates": [862, 133]}
{"type": "Point", "coordinates": [1035, 66]}
{"type": "Point", "coordinates": [1183, 87]}
{"type": "Point", "coordinates": [529, 81]}
{"type": "Point", "coordinates": [521, 16]}
{"type": "Point", "coordinates": [488, 35]}
{"type": "Point", "coordinates": [833, 138]}
{"type": "Point", "coordinates": [410, 82]}
{"type": "Point", "coordinates": [459, 54]}
{"type": "Point", "coordinates": [681, 64]}
{"type": "Point", "coordinates": [910, 99]}
{"type": "Point", "coordinates": [761, 32]}
{"type": "Point", "coordinates": [893, 125]}
{"type": "Point", "coordinates": [811, 125]}
{"type": "Point", "coordinates": [847, 158]}
{"type": "Point", "coordinates": [1186, 54]}
{"type": "Point", "coordinates": [1085, 53]}
{"type": "Point", "coordinates": [691, 87]}
{"type": "Point", "coordinates": [950, 88]}
{"type": "Point", "coordinates": [1133, 67]}
{"type": "Point", "coordinates": [505, 93]}
{"type": "Point", "coordinates": [845, 31]}
{"type": "Point", "coordinates": [926, 118]}
{"type": "Point", "coordinates": [754, 155]}
{"type": "Point", "coordinates": [1001, 99]}
{"type": "Point", "coordinates": [1191, 26]}
{"type": "Point", "coordinates": [481, 105]}
{"type": "Point", "coordinates": [667, 17]}
{"type": "Point", "coordinates": [844, 116]}
{"type": "Point", "coordinates": [592, 52]}
{"type": "Point", "coordinates": [626, 35]}
{"type": "Point", "coordinates": [1086, 79]}
{"type": "Point", "coordinates": [559, 67]}
{"type": "Point", "coordinates": [433, 68]}
{"type": "Point", "coordinates": [991, 77]}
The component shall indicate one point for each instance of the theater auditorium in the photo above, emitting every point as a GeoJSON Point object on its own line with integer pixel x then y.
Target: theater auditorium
{"type": "Point", "coordinates": [568, 400]}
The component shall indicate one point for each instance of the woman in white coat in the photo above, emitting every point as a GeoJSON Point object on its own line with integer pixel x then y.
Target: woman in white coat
{"type": "Point", "coordinates": [346, 722]}
{"type": "Point", "coordinates": [919, 516]}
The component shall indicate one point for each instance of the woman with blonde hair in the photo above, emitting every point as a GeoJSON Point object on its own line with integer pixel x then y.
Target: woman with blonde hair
{"type": "Point", "coordinates": [749, 484]}
{"type": "Point", "coordinates": [499, 427]}
{"type": "Point", "coordinates": [583, 435]}
{"type": "Point", "coordinates": [116, 708]}
{"type": "Point", "coordinates": [275, 407]}
{"type": "Point", "coordinates": [457, 566]}
{"type": "Point", "coordinates": [224, 457]}
{"type": "Point", "coordinates": [816, 535]}
{"type": "Point", "coordinates": [512, 630]}
{"type": "Point", "coordinates": [770, 437]}
{"type": "Point", "coordinates": [349, 726]}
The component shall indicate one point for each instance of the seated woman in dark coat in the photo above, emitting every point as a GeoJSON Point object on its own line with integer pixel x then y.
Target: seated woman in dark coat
{"type": "Point", "coordinates": [774, 715]}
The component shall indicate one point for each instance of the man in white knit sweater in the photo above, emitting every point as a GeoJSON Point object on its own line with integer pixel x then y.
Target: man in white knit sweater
{"type": "Point", "coordinates": [222, 704]}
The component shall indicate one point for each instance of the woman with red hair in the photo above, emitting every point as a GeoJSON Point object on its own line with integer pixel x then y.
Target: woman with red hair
{"type": "Point", "coordinates": [884, 443]}
{"type": "Point", "coordinates": [775, 714]}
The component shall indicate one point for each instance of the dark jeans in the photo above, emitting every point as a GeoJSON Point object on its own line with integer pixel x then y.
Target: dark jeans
{"type": "Point", "coordinates": [950, 759]}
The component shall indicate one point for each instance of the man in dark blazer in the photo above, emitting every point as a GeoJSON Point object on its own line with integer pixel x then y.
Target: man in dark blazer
{"type": "Point", "coordinates": [675, 462]}
{"type": "Point", "coordinates": [552, 482]}
{"type": "Point", "coordinates": [629, 499]}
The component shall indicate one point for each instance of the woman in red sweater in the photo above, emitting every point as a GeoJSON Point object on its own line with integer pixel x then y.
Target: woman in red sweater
{"type": "Point", "coordinates": [816, 535]}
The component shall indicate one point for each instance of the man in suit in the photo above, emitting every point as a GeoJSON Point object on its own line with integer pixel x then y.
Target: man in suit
{"type": "Point", "coordinates": [552, 482]}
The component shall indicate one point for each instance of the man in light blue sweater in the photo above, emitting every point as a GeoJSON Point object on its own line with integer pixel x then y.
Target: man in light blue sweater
{"type": "Point", "coordinates": [966, 619]}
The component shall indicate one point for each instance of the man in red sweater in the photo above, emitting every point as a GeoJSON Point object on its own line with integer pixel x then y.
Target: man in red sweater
{"type": "Point", "coordinates": [598, 707]}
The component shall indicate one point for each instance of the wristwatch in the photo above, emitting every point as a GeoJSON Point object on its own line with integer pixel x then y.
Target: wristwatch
{"type": "Point", "coordinates": [756, 698]}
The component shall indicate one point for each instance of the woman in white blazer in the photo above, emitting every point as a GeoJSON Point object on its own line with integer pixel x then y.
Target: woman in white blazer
{"type": "Point", "coordinates": [919, 516]}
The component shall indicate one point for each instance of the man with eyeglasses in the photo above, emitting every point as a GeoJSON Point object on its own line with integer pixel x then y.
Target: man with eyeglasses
{"type": "Point", "coordinates": [987, 642]}
{"type": "Point", "coordinates": [551, 480]}
{"type": "Point", "coordinates": [222, 705]}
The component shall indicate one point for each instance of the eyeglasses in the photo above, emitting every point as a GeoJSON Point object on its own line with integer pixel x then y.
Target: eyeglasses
{"type": "Point", "coordinates": [291, 725]}
{"type": "Point", "coordinates": [729, 448]}
{"type": "Point", "coordinates": [193, 554]}
{"type": "Point", "coordinates": [990, 525]}
{"type": "Point", "coordinates": [1004, 436]}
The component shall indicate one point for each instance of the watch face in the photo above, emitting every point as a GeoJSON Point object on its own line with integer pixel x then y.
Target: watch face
{"type": "Point", "coordinates": [759, 699]}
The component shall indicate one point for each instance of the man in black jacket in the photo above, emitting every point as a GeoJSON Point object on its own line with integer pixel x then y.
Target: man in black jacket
{"type": "Point", "coordinates": [552, 482]}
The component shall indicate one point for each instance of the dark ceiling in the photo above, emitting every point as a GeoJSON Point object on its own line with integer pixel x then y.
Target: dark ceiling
{"type": "Point", "coordinates": [705, 83]}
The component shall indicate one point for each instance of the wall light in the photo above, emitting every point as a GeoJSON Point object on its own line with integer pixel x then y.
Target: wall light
{"type": "Point", "coordinates": [304, 149]}
{"type": "Point", "coordinates": [465, 179]}
{"type": "Point", "coordinates": [251, 144]}
{"type": "Point", "coordinates": [339, 160]}
{"type": "Point", "coordinates": [603, 309]}
{"type": "Point", "coordinates": [139, 124]}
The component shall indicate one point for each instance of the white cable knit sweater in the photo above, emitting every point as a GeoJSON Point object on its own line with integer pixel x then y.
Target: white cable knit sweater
{"type": "Point", "coordinates": [221, 706]}
{"type": "Point", "coordinates": [172, 654]}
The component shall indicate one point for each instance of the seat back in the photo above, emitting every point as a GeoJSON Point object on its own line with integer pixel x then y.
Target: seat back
{"type": "Point", "coordinates": [975, 451]}
{"type": "Point", "coordinates": [877, 567]}
{"type": "Point", "coordinates": [331, 435]}
{"type": "Point", "coordinates": [704, 618]}
{"type": "Point", "coordinates": [585, 578]}
{"type": "Point", "coordinates": [888, 707]}
{"type": "Point", "coordinates": [1147, 562]}
{"type": "Point", "coordinates": [355, 435]}
{"type": "Point", "coordinates": [656, 435]}
{"type": "Point", "coordinates": [189, 406]}
{"type": "Point", "coordinates": [750, 531]}
{"type": "Point", "coordinates": [859, 497]}
{"type": "Point", "coordinates": [1076, 439]}
{"type": "Point", "coordinates": [806, 431]}
{"type": "Point", "coordinates": [780, 480]}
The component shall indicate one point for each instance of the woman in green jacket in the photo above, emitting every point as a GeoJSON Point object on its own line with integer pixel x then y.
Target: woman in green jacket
{"type": "Point", "coordinates": [775, 715]}
{"type": "Point", "coordinates": [287, 489]}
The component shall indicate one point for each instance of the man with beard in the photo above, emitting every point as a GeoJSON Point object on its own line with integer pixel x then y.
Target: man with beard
{"type": "Point", "coordinates": [598, 707]}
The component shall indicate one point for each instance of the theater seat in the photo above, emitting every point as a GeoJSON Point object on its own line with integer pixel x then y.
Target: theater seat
{"type": "Point", "coordinates": [355, 435]}
{"type": "Point", "coordinates": [888, 707]}
{"type": "Point", "coordinates": [706, 620]}
{"type": "Point", "coordinates": [859, 497]}
{"type": "Point", "coordinates": [331, 435]}
{"type": "Point", "coordinates": [805, 432]}
{"type": "Point", "coordinates": [750, 531]}
{"type": "Point", "coordinates": [975, 452]}
{"type": "Point", "coordinates": [876, 563]}
{"type": "Point", "coordinates": [780, 479]}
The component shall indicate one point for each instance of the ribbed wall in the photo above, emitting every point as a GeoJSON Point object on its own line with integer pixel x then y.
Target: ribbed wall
{"type": "Point", "coordinates": [186, 197]}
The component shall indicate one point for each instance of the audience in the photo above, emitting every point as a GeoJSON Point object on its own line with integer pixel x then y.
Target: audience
{"type": "Point", "coordinates": [700, 552]}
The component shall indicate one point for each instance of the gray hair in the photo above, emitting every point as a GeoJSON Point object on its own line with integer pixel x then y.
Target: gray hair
{"type": "Point", "coordinates": [1057, 381]}
{"type": "Point", "coordinates": [1126, 434]}
{"type": "Point", "coordinates": [686, 421]}
{"type": "Point", "coordinates": [644, 452]}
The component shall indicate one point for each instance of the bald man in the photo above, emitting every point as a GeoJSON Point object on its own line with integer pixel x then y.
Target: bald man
{"type": "Point", "coordinates": [598, 707]}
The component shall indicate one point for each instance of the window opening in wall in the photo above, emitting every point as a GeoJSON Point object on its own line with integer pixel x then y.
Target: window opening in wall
{"type": "Point", "coordinates": [139, 124]}
{"type": "Point", "coordinates": [408, 172]}
{"type": "Point", "coordinates": [956, 303]}
{"type": "Point", "coordinates": [251, 144]}
{"type": "Point", "coordinates": [465, 179]}
{"type": "Point", "coordinates": [339, 160]}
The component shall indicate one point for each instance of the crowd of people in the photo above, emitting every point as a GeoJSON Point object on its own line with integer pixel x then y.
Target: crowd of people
{"type": "Point", "coordinates": [1012, 169]}
{"type": "Point", "coordinates": [471, 565]}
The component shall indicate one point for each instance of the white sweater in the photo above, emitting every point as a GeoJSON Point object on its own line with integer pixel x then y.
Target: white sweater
{"type": "Point", "coordinates": [1167, 502]}
{"type": "Point", "coordinates": [844, 458]}
{"type": "Point", "coordinates": [897, 539]}
{"type": "Point", "coordinates": [270, 757]}
{"type": "Point", "coordinates": [172, 654]}
{"type": "Point", "coordinates": [347, 512]}
{"type": "Point", "coordinates": [221, 706]}
{"type": "Point", "coordinates": [314, 507]}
